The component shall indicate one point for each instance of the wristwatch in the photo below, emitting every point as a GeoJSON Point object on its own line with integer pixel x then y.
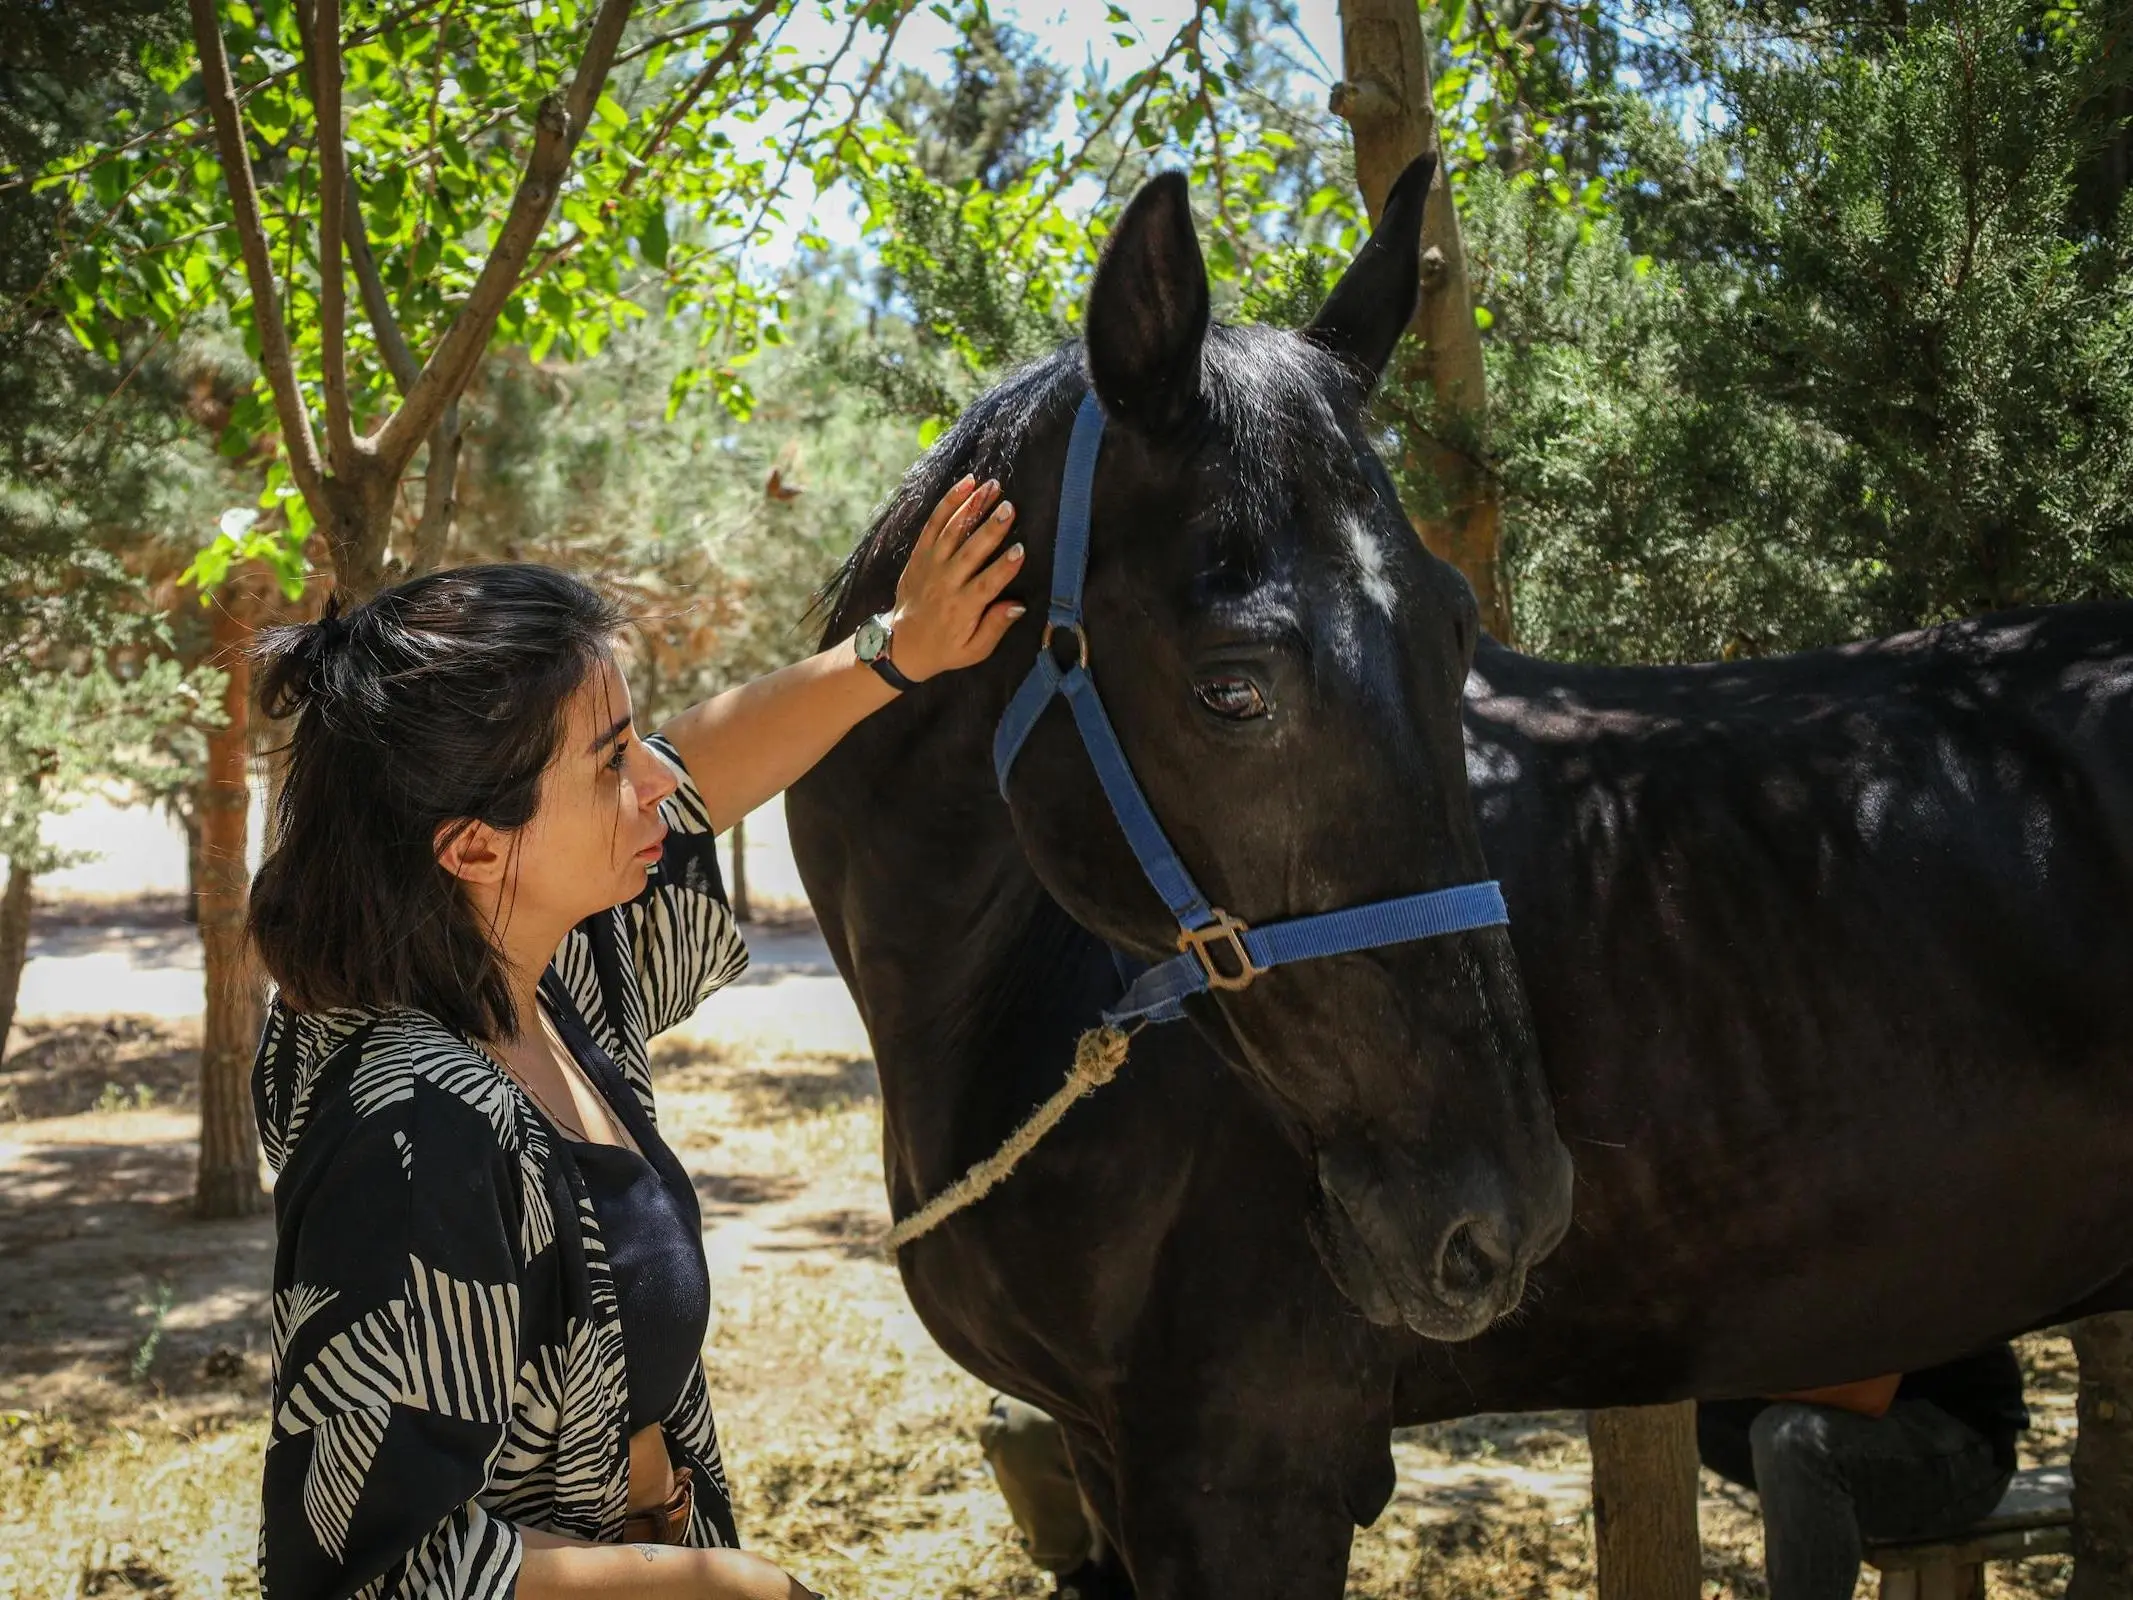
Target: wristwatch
{"type": "Point", "coordinates": [871, 645]}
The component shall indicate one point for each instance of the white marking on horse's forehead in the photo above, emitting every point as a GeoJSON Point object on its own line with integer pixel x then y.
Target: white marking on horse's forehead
{"type": "Point", "coordinates": [1367, 546]}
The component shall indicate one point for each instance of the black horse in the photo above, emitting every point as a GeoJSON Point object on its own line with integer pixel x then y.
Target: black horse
{"type": "Point", "coordinates": [1827, 962]}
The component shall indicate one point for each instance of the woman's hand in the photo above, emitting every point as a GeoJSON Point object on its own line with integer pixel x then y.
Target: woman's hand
{"type": "Point", "coordinates": [948, 608]}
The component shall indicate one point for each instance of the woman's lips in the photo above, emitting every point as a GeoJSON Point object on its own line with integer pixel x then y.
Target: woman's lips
{"type": "Point", "coordinates": [654, 850]}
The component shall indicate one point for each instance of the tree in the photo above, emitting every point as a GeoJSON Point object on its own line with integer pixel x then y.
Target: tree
{"type": "Point", "coordinates": [986, 124]}
{"type": "Point", "coordinates": [76, 451]}
{"type": "Point", "coordinates": [485, 178]}
{"type": "Point", "coordinates": [63, 733]}
{"type": "Point", "coordinates": [1853, 359]}
{"type": "Point", "coordinates": [1388, 100]}
{"type": "Point", "coordinates": [994, 273]}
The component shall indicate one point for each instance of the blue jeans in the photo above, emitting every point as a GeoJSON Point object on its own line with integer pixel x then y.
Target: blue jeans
{"type": "Point", "coordinates": [1831, 1480]}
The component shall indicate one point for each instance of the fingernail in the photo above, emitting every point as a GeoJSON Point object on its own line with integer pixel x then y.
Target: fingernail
{"type": "Point", "coordinates": [1007, 509]}
{"type": "Point", "coordinates": [1016, 611]}
{"type": "Point", "coordinates": [967, 481]}
{"type": "Point", "coordinates": [1014, 551]}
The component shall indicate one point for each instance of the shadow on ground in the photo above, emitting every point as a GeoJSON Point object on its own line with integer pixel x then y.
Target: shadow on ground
{"type": "Point", "coordinates": [110, 1291]}
{"type": "Point", "coordinates": [63, 1066]}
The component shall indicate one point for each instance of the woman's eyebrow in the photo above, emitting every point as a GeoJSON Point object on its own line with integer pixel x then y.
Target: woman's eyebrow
{"type": "Point", "coordinates": [617, 731]}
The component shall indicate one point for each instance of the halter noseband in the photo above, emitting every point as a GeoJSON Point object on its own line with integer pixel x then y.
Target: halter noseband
{"type": "Point", "coordinates": [1215, 950]}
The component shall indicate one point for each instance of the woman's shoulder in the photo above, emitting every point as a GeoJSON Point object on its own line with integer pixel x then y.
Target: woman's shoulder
{"type": "Point", "coordinates": [397, 1069]}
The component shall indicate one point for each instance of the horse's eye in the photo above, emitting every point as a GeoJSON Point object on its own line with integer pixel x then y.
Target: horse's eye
{"type": "Point", "coordinates": [1237, 699]}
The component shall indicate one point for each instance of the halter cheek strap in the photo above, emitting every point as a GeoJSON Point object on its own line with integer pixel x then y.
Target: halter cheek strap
{"type": "Point", "coordinates": [1215, 950]}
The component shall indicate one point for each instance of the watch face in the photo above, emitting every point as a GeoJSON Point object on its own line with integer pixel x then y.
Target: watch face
{"type": "Point", "coordinates": [870, 638]}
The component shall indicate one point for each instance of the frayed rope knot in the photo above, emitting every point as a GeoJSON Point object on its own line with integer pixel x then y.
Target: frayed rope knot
{"type": "Point", "coordinates": [1098, 1055]}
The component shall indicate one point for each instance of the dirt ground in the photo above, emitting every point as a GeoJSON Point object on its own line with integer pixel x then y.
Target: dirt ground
{"type": "Point", "coordinates": [133, 1365]}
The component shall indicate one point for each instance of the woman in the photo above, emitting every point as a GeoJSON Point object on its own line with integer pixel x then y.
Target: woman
{"type": "Point", "coordinates": [486, 893]}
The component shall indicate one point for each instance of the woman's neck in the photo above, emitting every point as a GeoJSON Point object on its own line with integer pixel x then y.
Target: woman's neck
{"type": "Point", "coordinates": [525, 945]}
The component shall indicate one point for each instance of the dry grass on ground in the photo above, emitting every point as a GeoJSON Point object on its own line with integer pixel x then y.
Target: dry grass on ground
{"type": "Point", "coordinates": [132, 1367]}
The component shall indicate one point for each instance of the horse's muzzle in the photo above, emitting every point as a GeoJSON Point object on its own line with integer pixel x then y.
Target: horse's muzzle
{"type": "Point", "coordinates": [1446, 1258]}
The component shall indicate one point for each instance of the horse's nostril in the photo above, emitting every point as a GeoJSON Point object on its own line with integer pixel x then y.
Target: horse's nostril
{"type": "Point", "coordinates": [1466, 1266]}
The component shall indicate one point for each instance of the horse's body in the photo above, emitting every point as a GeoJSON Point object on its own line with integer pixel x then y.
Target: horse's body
{"type": "Point", "coordinates": [1827, 958]}
{"type": "Point", "coordinates": [1831, 965]}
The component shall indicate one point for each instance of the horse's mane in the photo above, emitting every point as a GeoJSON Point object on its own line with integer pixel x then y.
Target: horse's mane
{"type": "Point", "coordinates": [983, 442]}
{"type": "Point", "coordinates": [1273, 395]}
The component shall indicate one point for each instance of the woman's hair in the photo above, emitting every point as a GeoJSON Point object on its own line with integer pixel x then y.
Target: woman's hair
{"type": "Point", "coordinates": [440, 701]}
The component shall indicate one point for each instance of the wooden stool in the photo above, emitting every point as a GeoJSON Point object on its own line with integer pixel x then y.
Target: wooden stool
{"type": "Point", "coordinates": [2034, 1518]}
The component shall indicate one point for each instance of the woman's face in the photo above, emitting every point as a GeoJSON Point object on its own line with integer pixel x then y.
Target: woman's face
{"type": "Point", "coordinates": [597, 829]}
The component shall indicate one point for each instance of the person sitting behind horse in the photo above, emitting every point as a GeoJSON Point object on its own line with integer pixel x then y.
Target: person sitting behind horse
{"type": "Point", "coordinates": [1892, 1459]}
{"type": "Point", "coordinates": [1902, 1457]}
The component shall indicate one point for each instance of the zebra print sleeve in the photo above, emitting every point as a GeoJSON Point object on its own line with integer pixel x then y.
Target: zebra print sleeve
{"type": "Point", "coordinates": [396, 1333]}
{"type": "Point", "coordinates": [683, 939]}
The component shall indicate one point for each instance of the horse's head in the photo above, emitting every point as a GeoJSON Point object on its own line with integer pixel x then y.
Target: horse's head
{"type": "Point", "coordinates": [1283, 661]}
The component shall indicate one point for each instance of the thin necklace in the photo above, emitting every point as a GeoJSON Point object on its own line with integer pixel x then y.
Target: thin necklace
{"type": "Point", "coordinates": [565, 1124]}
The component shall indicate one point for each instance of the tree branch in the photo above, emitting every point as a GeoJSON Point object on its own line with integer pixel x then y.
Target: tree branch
{"type": "Point", "coordinates": [440, 491]}
{"type": "Point", "coordinates": [559, 126]}
{"type": "Point", "coordinates": [322, 47]}
{"type": "Point", "coordinates": [274, 356]}
{"type": "Point", "coordinates": [744, 26]}
{"type": "Point", "coordinates": [677, 35]}
{"type": "Point", "coordinates": [392, 343]}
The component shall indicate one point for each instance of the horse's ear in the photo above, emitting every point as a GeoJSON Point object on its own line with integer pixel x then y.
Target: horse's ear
{"type": "Point", "coordinates": [1147, 315]}
{"type": "Point", "coordinates": [1375, 300]}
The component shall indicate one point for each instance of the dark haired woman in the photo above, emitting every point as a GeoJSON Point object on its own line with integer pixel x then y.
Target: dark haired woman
{"type": "Point", "coordinates": [486, 893]}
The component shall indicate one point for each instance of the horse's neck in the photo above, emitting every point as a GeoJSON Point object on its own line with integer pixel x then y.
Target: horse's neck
{"type": "Point", "coordinates": [972, 981]}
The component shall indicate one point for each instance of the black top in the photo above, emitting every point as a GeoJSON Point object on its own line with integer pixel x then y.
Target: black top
{"type": "Point", "coordinates": [651, 1225]}
{"type": "Point", "coordinates": [656, 1255]}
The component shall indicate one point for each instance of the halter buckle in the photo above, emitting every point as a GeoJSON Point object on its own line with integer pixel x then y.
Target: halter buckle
{"type": "Point", "coordinates": [1225, 930]}
{"type": "Point", "coordinates": [1081, 639]}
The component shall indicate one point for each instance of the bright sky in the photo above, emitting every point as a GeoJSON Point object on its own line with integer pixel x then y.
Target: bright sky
{"type": "Point", "coordinates": [1073, 33]}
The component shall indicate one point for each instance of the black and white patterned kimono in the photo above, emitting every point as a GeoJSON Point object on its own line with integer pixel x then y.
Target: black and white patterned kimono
{"type": "Point", "coordinates": [447, 1352]}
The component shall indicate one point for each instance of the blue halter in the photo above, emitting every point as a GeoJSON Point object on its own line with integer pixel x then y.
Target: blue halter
{"type": "Point", "coordinates": [1158, 994]}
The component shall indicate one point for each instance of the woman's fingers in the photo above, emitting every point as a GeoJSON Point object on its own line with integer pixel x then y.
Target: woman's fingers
{"type": "Point", "coordinates": [954, 500]}
{"type": "Point", "coordinates": [956, 531]}
{"type": "Point", "coordinates": [993, 626]}
{"type": "Point", "coordinates": [983, 540]}
{"type": "Point", "coordinates": [985, 585]}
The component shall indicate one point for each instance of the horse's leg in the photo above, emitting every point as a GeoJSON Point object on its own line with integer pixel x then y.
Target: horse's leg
{"type": "Point", "coordinates": [1244, 1506]}
{"type": "Point", "coordinates": [1189, 1535]}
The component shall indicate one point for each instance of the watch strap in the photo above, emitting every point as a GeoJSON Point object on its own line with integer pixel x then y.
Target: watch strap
{"type": "Point", "coordinates": [891, 675]}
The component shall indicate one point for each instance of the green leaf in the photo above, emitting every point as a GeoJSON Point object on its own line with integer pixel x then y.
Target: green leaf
{"type": "Point", "coordinates": [652, 237]}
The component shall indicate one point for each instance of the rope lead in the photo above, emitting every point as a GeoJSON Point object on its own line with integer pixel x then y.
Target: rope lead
{"type": "Point", "coordinates": [1097, 1057]}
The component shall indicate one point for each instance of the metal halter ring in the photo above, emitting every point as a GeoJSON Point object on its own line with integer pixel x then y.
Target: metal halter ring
{"type": "Point", "coordinates": [1081, 638]}
{"type": "Point", "coordinates": [1224, 930]}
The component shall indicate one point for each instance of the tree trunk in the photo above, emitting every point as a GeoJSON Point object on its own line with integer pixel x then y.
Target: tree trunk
{"type": "Point", "coordinates": [189, 819]}
{"type": "Point", "coordinates": [14, 944]}
{"type": "Point", "coordinates": [1385, 98]}
{"type": "Point", "coordinates": [228, 1180]}
{"type": "Point", "coordinates": [2103, 1460]}
{"type": "Point", "coordinates": [742, 911]}
{"type": "Point", "coordinates": [359, 524]}
{"type": "Point", "coordinates": [1645, 1540]}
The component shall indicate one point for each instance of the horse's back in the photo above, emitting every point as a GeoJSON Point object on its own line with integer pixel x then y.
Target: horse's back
{"type": "Point", "coordinates": [1828, 957]}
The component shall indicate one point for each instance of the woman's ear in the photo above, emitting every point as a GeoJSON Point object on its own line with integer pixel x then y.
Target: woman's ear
{"type": "Point", "coordinates": [472, 852]}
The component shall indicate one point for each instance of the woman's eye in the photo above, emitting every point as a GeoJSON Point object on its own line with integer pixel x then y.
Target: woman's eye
{"type": "Point", "coordinates": [1237, 699]}
{"type": "Point", "coordinates": [614, 762]}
